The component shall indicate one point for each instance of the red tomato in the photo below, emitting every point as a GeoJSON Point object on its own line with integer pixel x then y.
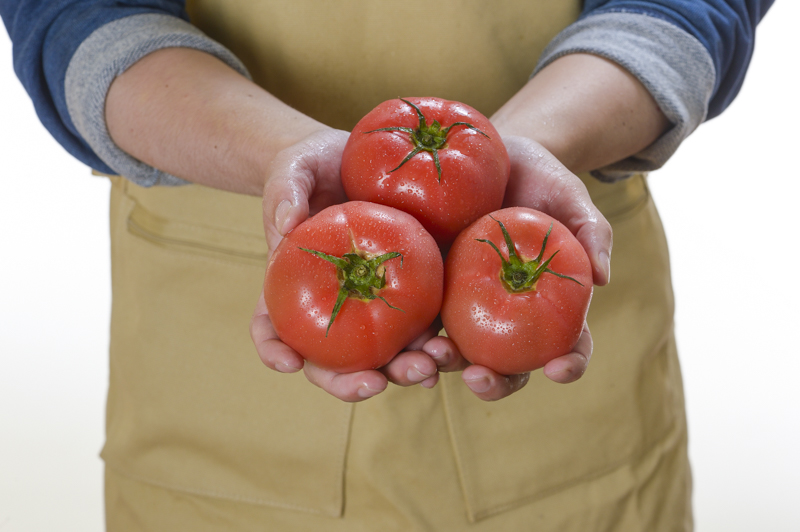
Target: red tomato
{"type": "Point", "coordinates": [516, 313]}
{"type": "Point", "coordinates": [441, 161]}
{"type": "Point", "coordinates": [349, 288]}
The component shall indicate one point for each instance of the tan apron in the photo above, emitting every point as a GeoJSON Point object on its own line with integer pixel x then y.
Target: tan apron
{"type": "Point", "coordinates": [201, 436]}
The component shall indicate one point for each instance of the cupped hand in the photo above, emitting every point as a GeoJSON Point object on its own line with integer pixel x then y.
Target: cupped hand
{"type": "Point", "coordinates": [490, 385]}
{"type": "Point", "coordinates": [412, 366]}
{"type": "Point", "coordinates": [301, 181]}
{"type": "Point", "coordinates": [539, 181]}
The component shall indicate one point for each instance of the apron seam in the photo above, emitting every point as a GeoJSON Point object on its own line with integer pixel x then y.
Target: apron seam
{"type": "Point", "coordinates": [462, 471]}
{"type": "Point", "coordinates": [630, 211]}
{"type": "Point", "coordinates": [195, 229]}
{"type": "Point", "coordinates": [634, 457]}
{"type": "Point", "coordinates": [125, 186]}
{"type": "Point", "coordinates": [344, 443]}
{"type": "Point", "coordinates": [166, 244]}
{"type": "Point", "coordinates": [216, 494]}
{"type": "Point", "coordinates": [228, 260]}
{"type": "Point", "coordinates": [667, 438]}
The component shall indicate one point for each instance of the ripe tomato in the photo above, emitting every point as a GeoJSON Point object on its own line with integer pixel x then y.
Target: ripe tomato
{"type": "Point", "coordinates": [517, 290]}
{"type": "Point", "coordinates": [441, 161]}
{"type": "Point", "coordinates": [349, 288]}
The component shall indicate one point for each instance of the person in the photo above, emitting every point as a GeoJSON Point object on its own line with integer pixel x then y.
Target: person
{"type": "Point", "coordinates": [197, 437]}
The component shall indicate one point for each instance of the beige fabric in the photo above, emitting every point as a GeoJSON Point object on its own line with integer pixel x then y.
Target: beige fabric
{"type": "Point", "coordinates": [200, 436]}
{"type": "Point", "coordinates": [335, 61]}
{"type": "Point", "coordinates": [192, 409]}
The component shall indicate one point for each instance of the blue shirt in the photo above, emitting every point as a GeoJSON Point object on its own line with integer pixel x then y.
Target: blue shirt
{"type": "Point", "coordinates": [46, 33]}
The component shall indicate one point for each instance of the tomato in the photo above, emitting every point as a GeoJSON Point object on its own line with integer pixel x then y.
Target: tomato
{"type": "Point", "coordinates": [517, 289]}
{"type": "Point", "coordinates": [441, 161]}
{"type": "Point", "coordinates": [349, 288]}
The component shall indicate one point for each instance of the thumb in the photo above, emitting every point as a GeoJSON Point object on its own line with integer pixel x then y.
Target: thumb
{"type": "Point", "coordinates": [299, 177]}
{"type": "Point", "coordinates": [285, 206]}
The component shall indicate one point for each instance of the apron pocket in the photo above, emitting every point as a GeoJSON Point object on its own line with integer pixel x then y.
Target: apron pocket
{"type": "Point", "coordinates": [190, 405]}
{"type": "Point", "coordinates": [549, 437]}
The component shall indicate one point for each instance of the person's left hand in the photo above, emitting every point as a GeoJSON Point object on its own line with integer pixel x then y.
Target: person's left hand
{"type": "Point", "coordinates": [539, 181]}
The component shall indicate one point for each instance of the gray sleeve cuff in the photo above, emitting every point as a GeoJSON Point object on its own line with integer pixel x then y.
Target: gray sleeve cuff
{"type": "Point", "coordinates": [673, 65]}
{"type": "Point", "coordinates": [107, 53]}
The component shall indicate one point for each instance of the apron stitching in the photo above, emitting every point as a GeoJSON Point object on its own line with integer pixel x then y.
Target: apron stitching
{"type": "Point", "coordinates": [241, 263]}
{"type": "Point", "coordinates": [462, 473]}
{"type": "Point", "coordinates": [344, 444]}
{"type": "Point", "coordinates": [669, 436]}
{"type": "Point", "coordinates": [216, 494]}
{"type": "Point", "coordinates": [197, 229]}
{"type": "Point", "coordinates": [174, 243]}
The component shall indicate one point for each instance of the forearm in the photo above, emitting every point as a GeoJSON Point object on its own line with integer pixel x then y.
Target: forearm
{"type": "Point", "coordinates": [190, 115]}
{"type": "Point", "coordinates": [588, 111]}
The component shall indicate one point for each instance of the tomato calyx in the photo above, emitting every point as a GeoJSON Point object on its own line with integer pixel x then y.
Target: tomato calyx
{"type": "Point", "coordinates": [360, 277]}
{"type": "Point", "coordinates": [429, 138]}
{"type": "Point", "coordinates": [518, 275]}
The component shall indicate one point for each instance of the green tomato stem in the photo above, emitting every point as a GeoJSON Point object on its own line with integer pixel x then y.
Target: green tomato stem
{"type": "Point", "coordinates": [430, 138]}
{"type": "Point", "coordinates": [359, 277]}
{"type": "Point", "coordinates": [517, 275]}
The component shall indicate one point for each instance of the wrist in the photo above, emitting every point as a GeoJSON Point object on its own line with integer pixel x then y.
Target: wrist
{"type": "Point", "coordinates": [260, 149]}
{"type": "Point", "coordinates": [587, 111]}
{"type": "Point", "coordinates": [190, 115]}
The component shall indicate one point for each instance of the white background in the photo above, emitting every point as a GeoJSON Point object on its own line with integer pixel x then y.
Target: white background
{"type": "Point", "coordinates": [730, 201]}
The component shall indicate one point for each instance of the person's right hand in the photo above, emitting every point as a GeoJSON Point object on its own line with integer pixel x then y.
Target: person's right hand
{"type": "Point", "coordinates": [206, 123]}
{"type": "Point", "coordinates": [301, 181]}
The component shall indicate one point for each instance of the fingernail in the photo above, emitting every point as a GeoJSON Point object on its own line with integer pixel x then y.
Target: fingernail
{"type": "Point", "coordinates": [287, 368]}
{"type": "Point", "coordinates": [365, 391]}
{"type": "Point", "coordinates": [479, 385]}
{"type": "Point", "coordinates": [605, 264]}
{"type": "Point", "coordinates": [430, 382]}
{"type": "Point", "coordinates": [440, 358]}
{"type": "Point", "coordinates": [415, 375]}
{"type": "Point", "coordinates": [281, 214]}
{"type": "Point", "coordinates": [560, 374]}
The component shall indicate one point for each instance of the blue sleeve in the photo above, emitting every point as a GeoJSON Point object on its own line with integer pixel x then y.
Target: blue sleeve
{"type": "Point", "coordinates": [45, 35]}
{"type": "Point", "coordinates": [726, 28]}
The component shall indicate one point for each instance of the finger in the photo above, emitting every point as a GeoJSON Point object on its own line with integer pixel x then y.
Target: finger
{"type": "Point", "coordinates": [490, 385]}
{"type": "Point", "coordinates": [302, 180]}
{"type": "Point", "coordinates": [409, 368]}
{"type": "Point", "coordinates": [273, 353]}
{"type": "Point", "coordinates": [445, 353]}
{"type": "Point", "coordinates": [572, 366]}
{"type": "Point", "coordinates": [430, 382]}
{"type": "Point", "coordinates": [539, 181]}
{"type": "Point", "coordinates": [286, 193]}
{"type": "Point", "coordinates": [431, 332]}
{"type": "Point", "coordinates": [349, 387]}
{"type": "Point", "coordinates": [414, 366]}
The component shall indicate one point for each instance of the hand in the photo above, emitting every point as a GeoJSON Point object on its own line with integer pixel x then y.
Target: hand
{"type": "Point", "coordinates": [539, 181]}
{"type": "Point", "coordinates": [589, 112]}
{"type": "Point", "coordinates": [302, 180]}
{"type": "Point", "coordinates": [410, 367]}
